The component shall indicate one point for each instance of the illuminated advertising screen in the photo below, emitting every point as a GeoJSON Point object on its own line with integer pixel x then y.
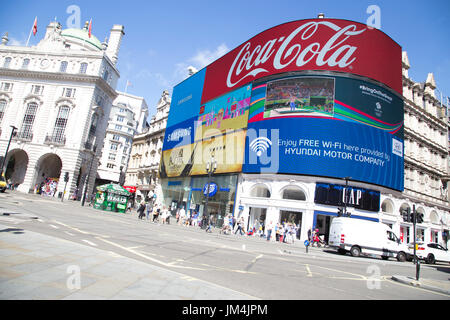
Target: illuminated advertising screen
{"type": "Point", "coordinates": [313, 44]}
{"type": "Point", "coordinates": [326, 126]}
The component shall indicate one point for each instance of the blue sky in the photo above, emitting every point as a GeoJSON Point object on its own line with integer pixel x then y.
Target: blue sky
{"type": "Point", "coordinates": [163, 38]}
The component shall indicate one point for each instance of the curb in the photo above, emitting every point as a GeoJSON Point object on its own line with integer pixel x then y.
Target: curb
{"type": "Point", "coordinates": [413, 282]}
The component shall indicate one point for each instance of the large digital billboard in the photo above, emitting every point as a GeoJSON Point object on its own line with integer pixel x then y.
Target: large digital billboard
{"type": "Point", "coordinates": [326, 125]}
{"type": "Point", "coordinates": [314, 44]}
{"type": "Point", "coordinates": [317, 97]}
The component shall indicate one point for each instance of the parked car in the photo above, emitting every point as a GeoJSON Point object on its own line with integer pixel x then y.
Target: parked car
{"type": "Point", "coordinates": [430, 252]}
{"type": "Point", "coordinates": [359, 236]}
{"type": "Point", "coordinates": [2, 183]}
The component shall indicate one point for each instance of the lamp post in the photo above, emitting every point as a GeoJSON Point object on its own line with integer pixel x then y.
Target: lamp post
{"type": "Point", "coordinates": [211, 167]}
{"type": "Point", "coordinates": [94, 149]}
{"type": "Point", "coordinates": [7, 149]}
{"type": "Point", "coordinates": [345, 195]}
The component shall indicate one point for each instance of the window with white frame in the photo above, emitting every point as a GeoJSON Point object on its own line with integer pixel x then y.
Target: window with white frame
{"type": "Point", "coordinates": [3, 104]}
{"type": "Point", "coordinates": [116, 137]}
{"type": "Point", "coordinates": [6, 86]}
{"type": "Point", "coordinates": [68, 92]}
{"type": "Point", "coordinates": [114, 146]}
{"type": "Point", "coordinates": [110, 165]}
{"type": "Point", "coordinates": [120, 118]}
{"type": "Point", "coordinates": [112, 156]}
{"type": "Point", "coordinates": [63, 66]}
{"type": "Point", "coordinates": [83, 67]}
{"type": "Point", "coordinates": [118, 127]}
{"type": "Point", "coordinates": [25, 63]}
{"type": "Point", "coordinates": [61, 123]}
{"type": "Point", "coordinates": [7, 62]}
{"type": "Point", "coordinates": [36, 89]}
{"type": "Point", "coordinates": [28, 120]}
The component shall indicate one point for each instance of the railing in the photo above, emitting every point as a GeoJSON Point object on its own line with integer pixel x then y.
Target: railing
{"type": "Point", "coordinates": [57, 140]}
{"type": "Point", "coordinates": [24, 136]}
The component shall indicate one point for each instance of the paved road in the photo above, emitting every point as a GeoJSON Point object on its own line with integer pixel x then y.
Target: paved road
{"type": "Point", "coordinates": [246, 266]}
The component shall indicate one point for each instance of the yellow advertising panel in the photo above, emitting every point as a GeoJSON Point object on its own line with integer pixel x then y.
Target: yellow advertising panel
{"type": "Point", "coordinates": [227, 150]}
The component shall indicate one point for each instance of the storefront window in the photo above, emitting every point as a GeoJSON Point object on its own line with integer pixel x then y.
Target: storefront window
{"type": "Point", "coordinates": [175, 193]}
{"type": "Point", "coordinates": [221, 203]}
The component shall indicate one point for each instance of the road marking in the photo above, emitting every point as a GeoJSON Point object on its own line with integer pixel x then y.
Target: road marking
{"type": "Point", "coordinates": [308, 270]}
{"type": "Point", "coordinates": [53, 226]}
{"type": "Point", "coordinates": [89, 242]}
{"type": "Point", "coordinates": [147, 257]}
{"type": "Point", "coordinates": [70, 234]}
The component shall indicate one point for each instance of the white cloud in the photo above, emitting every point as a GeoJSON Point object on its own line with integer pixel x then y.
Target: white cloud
{"type": "Point", "coordinates": [15, 42]}
{"type": "Point", "coordinates": [205, 57]}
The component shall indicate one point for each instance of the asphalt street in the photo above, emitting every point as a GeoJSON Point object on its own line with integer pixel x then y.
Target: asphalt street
{"type": "Point", "coordinates": [232, 266]}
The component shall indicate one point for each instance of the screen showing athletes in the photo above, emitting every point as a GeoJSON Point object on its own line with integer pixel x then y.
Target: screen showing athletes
{"type": "Point", "coordinates": [312, 96]}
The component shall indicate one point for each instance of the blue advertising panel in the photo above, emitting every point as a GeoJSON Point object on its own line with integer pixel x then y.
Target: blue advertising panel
{"type": "Point", "coordinates": [184, 110]}
{"type": "Point", "coordinates": [326, 126]}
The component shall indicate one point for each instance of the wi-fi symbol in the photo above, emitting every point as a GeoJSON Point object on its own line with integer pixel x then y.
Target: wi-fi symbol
{"type": "Point", "coordinates": [259, 145]}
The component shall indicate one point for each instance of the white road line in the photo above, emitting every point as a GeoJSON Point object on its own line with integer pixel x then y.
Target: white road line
{"type": "Point", "coordinates": [53, 226]}
{"type": "Point", "coordinates": [89, 242]}
{"type": "Point", "coordinates": [70, 234]}
{"type": "Point", "coordinates": [147, 257]}
{"type": "Point", "coordinates": [309, 273]}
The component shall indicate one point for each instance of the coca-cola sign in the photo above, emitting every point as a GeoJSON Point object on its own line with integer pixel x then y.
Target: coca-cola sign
{"type": "Point", "coordinates": [317, 44]}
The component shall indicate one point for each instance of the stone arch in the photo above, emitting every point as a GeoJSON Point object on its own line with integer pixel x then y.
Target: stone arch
{"type": "Point", "coordinates": [387, 206]}
{"type": "Point", "coordinates": [260, 190]}
{"type": "Point", "coordinates": [434, 217]}
{"type": "Point", "coordinates": [48, 166]}
{"type": "Point", "coordinates": [293, 192]}
{"type": "Point", "coordinates": [16, 166]}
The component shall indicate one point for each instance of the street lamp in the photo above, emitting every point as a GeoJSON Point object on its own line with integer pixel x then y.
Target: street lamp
{"type": "Point", "coordinates": [7, 149]}
{"type": "Point", "coordinates": [94, 149]}
{"type": "Point", "coordinates": [211, 167]}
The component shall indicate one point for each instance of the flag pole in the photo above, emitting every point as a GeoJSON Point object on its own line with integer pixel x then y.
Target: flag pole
{"type": "Point", "coordinates": [32, 27]}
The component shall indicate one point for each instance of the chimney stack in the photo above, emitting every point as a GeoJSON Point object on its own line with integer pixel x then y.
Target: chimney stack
{"type": "Point", "coordinates": [115, 38]}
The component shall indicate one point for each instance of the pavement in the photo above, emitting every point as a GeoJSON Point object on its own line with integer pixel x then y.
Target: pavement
{"type": "Point", "coordinates": [36, 266]}
{"type": "Point", "coordinates": [39, 267]}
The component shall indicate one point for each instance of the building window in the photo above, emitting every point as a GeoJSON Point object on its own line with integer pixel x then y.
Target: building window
{"type": "Point", "coordinates": [116, 137]}
{"type": "Point", "coordinates": [110, 166]}
{"type": "Point", "coordinates": [7, 62]}
{"type": "Point", "coordinates": [68, 92]}
{"type": "Point", "coordinates": [114, 146]}
{"type": "Point", "coordinates": [25, 63]}
{"type": "Point", "coordinates": [120, 118]}
{"type": "Point", "coordinates": [118, 127]}
{"type": "Point", "coordinates": [6, 86]}
{"type": "Point", "coordinates": [112, 156]}
{"type": "Point", "coordinates": [105, 75]}
{"type": "Point", "coordinates": [35, 89]}
{"type": "Point", "coordinates": [2, 108]}
{"type": "Point", "coordinates": [60, 124]}
{"type": "Point", "coordinates": [63, 66]}
{"type": "Point", "coordinates": [83, 67]}
{"type": "Point", "coordinates": [28, 120]}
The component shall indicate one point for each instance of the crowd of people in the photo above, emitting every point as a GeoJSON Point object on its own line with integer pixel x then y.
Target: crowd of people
{"type": "Point", "coordinates": [284, 232]}
{"type": "Point", "coordinates": [47, 187]}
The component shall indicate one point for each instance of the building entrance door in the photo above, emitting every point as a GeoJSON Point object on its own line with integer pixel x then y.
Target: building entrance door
{"type": "Point", "coordinates": [294, 217]}
{"type": "Point", "coordinates": [323, 223]}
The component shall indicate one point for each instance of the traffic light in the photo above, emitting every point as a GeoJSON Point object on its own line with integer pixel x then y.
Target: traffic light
{"type": "Point", "coordinates": [340, 212]}
{"type": "Point", "coordinates": [419, 217]}
{"type": "Point", "coordinates": [407, 215]}
{"type": "Point", "coordinates": [66, 177]}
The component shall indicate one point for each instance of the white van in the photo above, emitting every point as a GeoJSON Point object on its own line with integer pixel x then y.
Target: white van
{"type": "Point", "coordinates": [359, 236]}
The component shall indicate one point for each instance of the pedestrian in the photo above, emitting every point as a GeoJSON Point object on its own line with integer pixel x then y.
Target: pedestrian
{"type": "Point", "coordinates": [141, 210]}
{"type": "Point", "coordinates": [208, 228]}
{"type": "Point", "coordinates": [163, 215]}
{"type": "Point", "coordinates": [269, 228]}
{"type": "Point", "coordinates": [149, 208]}
{"type": "Point", "coordinates": [240, 225]}
{"type": "Point", "coordinates": [156, 212]}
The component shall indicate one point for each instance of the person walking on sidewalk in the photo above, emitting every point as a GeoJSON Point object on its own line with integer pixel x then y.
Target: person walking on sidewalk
{"type": "Point", "coordinates": [269, 228]}
{"type": "Point", "coordinates": [141, 210]}
{"type": "Point", "coordinates": [240, 225]}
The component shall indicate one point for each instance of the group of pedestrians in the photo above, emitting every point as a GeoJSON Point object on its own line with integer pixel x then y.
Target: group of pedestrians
{"type": "Point", "coordinates": [154, 212]}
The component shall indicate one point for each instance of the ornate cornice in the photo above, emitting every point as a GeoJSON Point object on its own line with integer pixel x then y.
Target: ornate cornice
{"type": "Point", "coordinates": [60, 76]}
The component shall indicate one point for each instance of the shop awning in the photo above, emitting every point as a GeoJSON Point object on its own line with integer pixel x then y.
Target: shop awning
{"type": "Point", "coordinates": [114, 188]}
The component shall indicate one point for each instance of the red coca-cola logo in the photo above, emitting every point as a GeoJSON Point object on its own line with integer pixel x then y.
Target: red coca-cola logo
{"type": "Point", "coordinates": [318, 44]}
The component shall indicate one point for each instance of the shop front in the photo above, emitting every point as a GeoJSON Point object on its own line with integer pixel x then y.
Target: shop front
{"type": "Point", "coordinates": [220, 201]}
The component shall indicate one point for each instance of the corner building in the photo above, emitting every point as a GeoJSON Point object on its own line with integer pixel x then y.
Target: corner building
{"type": "Point", "coordinates": [59, 95]}
{"type": "Point", "coordinates": [304, 120]}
